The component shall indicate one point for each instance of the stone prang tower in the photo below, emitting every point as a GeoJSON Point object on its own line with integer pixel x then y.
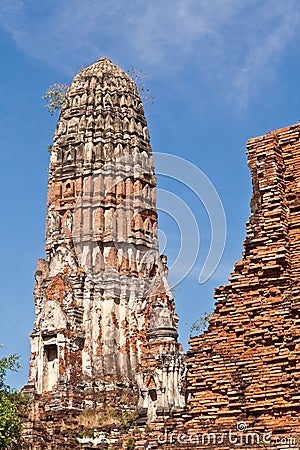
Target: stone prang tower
{"type": "Point", "coordinates": [105, 330]}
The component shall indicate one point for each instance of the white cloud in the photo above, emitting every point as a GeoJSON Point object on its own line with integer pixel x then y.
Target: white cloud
{"type": "Point", "coordinates": [266, 45]}
{"type": "Point", "coordinates": [229, 44]}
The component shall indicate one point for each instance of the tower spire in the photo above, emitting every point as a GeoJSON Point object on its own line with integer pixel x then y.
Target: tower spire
{"type": "Point", "coordinates": [102, 284]}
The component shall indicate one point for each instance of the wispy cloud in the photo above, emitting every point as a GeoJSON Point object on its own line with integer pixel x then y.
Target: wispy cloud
{"type": "Point", "coordinates": [265, 43]}
{"type": "Point", "coordinates": [231, 45]}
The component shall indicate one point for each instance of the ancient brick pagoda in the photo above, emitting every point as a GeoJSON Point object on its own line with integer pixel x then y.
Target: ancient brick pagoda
{"type": "Point", "coordinates": [105, 332]}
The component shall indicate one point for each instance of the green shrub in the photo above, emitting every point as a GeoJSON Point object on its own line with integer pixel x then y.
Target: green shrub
{"type": "Point", "coordinates": [10, 424]}
{"type": "Point", "coordinates": [130, 444]}
{"type": "Point", "coordinates": [126, 420]}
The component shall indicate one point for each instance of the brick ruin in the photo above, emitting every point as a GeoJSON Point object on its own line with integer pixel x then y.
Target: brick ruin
{"type": "Point", "coordinates": [244, 371]}
{"type": "Point", "coordinates": [246, 367]}
{"type": "Point", "coordinates": [105, 333]}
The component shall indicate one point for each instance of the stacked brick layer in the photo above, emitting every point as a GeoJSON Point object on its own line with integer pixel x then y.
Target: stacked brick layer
{"type": "Point", "coordinates": [244, 371]}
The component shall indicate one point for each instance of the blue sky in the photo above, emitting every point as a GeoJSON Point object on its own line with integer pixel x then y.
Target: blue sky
{"type": "Point", "coordinates": [222, 71]}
